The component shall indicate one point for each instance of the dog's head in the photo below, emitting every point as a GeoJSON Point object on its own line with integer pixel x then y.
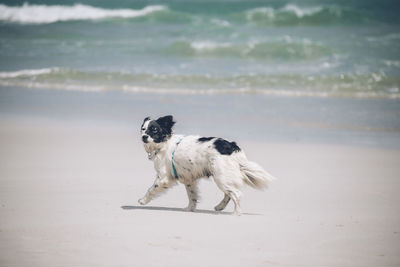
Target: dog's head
{"type": "Point", "coordinates": [157, 131]}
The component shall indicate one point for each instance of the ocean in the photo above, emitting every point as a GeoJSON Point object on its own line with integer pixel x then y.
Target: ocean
{"type": "Point", "coordinates": [342, 57]}
{"type": "Point", "coordinates": [291, 48]}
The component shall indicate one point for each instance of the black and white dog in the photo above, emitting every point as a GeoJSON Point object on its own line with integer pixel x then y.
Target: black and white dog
{"type": "Point", "coordinates": [186, 159]}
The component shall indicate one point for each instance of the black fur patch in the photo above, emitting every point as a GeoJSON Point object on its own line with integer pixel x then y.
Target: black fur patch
{"type": "Point", "coordinates": [224, 147]}
{"type": "Point", "coordinates": [166, 123]}
{"type": "Point", "coordinates": [161, 129]}
{"type": "Point", "coordinates": [204, 139]}
{"type": "Point", "coordinates": [155, 131]}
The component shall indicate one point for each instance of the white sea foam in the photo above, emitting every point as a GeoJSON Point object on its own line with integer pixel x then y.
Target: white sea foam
{"type": "Point", "coordinates": [392, 63]}
{"type": "Point", "coordinates": [267, 92]}
{"type": "Point", "coordinates": [271, 13]}
{"type": "Point", "coordinates": [208, 45]}
{"type": "Point", "coordinates": [301, 12]}
{"type": "Point", "coordinates": [365, 86]}
{"type": "Point", "coordinates": [26, 73]}
{"type": "Point", "coordinates": [221, 23]}
{"type": "Point", "coordinates": [392, 93]}
{"type": "Point", "coordinates": [267, 11]}
{"type": "Point", "coordinates": [41, 14]}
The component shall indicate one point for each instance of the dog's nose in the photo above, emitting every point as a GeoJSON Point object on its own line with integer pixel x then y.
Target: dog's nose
{"type": "Point", "coordinates": [144, 138]}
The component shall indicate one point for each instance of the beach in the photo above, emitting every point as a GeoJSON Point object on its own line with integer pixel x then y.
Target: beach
{"type": "Point", "coordinates": [70, 185]}
{"type": "Point", "coordinates": [307, 89]}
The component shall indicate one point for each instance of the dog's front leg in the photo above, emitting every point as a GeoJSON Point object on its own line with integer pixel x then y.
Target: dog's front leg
{"type": "Point", "coordinates": [193, 196]}
{"type": "Point", "coordinates": [159, 186]}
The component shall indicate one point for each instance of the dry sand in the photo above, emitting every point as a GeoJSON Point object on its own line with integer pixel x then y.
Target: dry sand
{"type": "Point", "coordinates": [68, 197]}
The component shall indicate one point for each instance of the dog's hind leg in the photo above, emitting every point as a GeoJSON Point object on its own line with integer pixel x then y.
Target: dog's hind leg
{"type": "Point", "coordinates": [159, 186]}
{"type": "Point", "coordinates": [223, 203]}
{"type": "Point", "coordinates": [235, 196]}
{"type": "Point", "coordinates": [193, 196]}
{"type": "Point", "coordinates": [231, 192]}
{"type": "Point", "coordinates": [228, 178]}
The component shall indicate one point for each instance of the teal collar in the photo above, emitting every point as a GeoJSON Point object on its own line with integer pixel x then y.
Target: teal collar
{"type": "Point", "coordinates": [173, 155]}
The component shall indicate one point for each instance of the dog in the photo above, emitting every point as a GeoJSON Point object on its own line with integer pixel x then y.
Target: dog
{"type": "Point", "coordinates": [186, 159]}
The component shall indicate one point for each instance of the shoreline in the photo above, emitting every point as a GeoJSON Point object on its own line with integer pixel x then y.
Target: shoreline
{"type": "Point", "coordinates": [355, 122]}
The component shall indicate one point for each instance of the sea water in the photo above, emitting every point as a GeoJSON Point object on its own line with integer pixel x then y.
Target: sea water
{"type": "Point", "coordinates": [333, 53]}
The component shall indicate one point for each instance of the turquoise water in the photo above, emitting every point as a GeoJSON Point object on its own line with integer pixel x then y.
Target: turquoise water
{"type": "Point", "coordinates": [289, 48]}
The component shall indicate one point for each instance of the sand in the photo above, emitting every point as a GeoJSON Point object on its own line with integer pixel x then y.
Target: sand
{"type": "Point", "coordinates": [69, 191]}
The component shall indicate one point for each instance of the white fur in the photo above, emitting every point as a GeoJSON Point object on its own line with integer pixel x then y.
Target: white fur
{"type": "Point", "coordinates": [194, 160]}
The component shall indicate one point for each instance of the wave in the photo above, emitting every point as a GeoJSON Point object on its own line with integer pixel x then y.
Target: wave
{"type": "Point", "coordinates": [292, 15]}
{"type": "Point", "coordinates": [42, 14]}
{"type": "Point", "coordinates": [27, 73]}
{"type": "Point", "coordinates": [374, 85]}
{"type": "Point", "coordinates": [288, 15]}
{"type": "Point", "coordinates": [279, 50]}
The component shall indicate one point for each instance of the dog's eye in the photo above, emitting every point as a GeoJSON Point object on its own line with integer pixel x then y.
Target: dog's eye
{"type": "Point", "coordinates": [143, 129]}
{"type": "Point", "coordinates": [154, 130]}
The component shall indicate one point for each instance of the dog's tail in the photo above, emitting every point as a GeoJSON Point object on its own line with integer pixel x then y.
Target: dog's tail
{"type": "Point", "coordinates": [253, 174]}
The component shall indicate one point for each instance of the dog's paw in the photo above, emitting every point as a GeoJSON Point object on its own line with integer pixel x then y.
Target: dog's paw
{"type": "Point", "coordinates": [218, 208]}
{"type": "Point", "coordinates": [142, 201]}
{"type": "Point", "coordinates": [190, 208]}
{"type": "Point", "coordinates": [237, 212]}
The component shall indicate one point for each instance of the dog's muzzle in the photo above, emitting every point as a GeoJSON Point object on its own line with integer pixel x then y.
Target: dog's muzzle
{"type": "Point", "coordinates": [145, 138]}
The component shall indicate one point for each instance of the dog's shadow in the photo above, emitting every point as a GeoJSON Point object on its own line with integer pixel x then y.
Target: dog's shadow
{"type": "Point", "coordinates": [181, 210]}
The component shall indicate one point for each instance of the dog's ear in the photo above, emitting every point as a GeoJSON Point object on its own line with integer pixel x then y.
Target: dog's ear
{"type": "Point", "coordinates": [166, 123]}
{"type": "Point", "coordinates": [144, 121]}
